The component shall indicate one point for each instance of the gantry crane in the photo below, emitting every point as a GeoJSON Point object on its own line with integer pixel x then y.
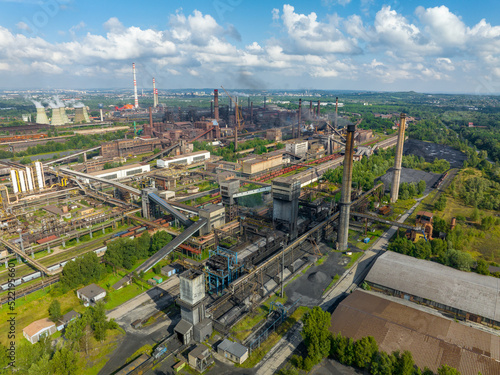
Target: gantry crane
{"type": "Point", "coordinates": [237, 111]}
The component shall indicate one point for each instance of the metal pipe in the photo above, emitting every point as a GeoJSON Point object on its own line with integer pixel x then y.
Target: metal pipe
{"type": "Point", "coordinates": [398, 159]}
{"type": "Point", "coordinates": [345, 197]}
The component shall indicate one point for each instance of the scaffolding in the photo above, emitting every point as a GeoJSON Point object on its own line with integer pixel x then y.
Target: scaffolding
{"type": "Point", "coordinates": [221, 269]}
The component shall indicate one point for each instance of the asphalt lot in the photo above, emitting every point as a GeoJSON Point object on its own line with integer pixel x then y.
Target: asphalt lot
{"type": "Point", "coordinates": [429, 151]}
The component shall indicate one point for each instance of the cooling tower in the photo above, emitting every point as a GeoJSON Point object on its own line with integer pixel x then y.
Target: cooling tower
{"type": "Point", "coordinates": [41, 116]}
{"type": "Point", "coordinates": [64, 116]}
{"type": "Point", "coordinates": [81, 115]}
{"type": "Point", "coordinates": [56, 117]}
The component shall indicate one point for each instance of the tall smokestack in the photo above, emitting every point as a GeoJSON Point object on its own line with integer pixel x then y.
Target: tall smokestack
{"type": "Point", "coordinates": [345, 194]}
{"type": "Point", "coordinates": [397, 159]}
{"type": "Point", "coordinates": [150, 118]}
{"type": "Point", "coordinates": [211, 109]}
{"type": "Point", "coordinates": [235, 138]}
{"type": "Point", "coordinates": [216, 104]}
{"type": "Point", "coordinates": [136, 100]}
{"type": "Point", "coordinates": [155, 103]}
{"type": "Point", "coordinates": [310, 108]}
{"type": "Point", "coordinates": [251, 112]}
{"type": "Point", "coordinates": [319, 102]}
{"type": "Point", "coordinates": [300, 118]}
{"type": "Point", "coordinates": [336, 111]}
{"type": "Point", "coordinates": [265, 102]}
{"type": "Point", "coordinates": [248, 102]}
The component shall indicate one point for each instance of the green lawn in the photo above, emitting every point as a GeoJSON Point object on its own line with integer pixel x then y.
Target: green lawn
{"type": "Point", "coordinates": [332, 283]}
{"type": "Point", "coordinates": [354, 257]}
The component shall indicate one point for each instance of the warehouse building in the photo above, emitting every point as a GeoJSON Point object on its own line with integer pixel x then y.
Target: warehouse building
{"type": "Point", "coordinates": [132, 147]}
{"type": "Point", "coordinates": [297, 148]}
{"type": "Point", "coordinates": [465, 295]}
{"type": "Point", "coordinates": [122, 172]}
{"type": "Point", "coordinates": [261, 163]}
{"type": "Point", "coordinates": [433, 340]}
{"type": "Point", "coordinates": [186, 159]}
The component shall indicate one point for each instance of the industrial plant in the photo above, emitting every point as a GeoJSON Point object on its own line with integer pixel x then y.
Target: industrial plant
{"type": "Point", "coordinates": [245, 219]}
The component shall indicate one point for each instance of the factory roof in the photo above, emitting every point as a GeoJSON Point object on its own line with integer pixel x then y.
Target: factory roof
{"type": "Point", "coordinates": [124, 167]}
{"type": "Point", "coordinates": [186, 155]}
{"type": "Point", "coordinates": [183, 327]}
{"type": "Point", "coordinates": [91, 291]}
{"type": "Point", "coordinates": [466, 291]}
{"type": "Point", "coordinates": [37, 326]}
{"type": "Point", "coordinates": [234, 348]}
{"type": "Point", "coordinates": [432, 339]}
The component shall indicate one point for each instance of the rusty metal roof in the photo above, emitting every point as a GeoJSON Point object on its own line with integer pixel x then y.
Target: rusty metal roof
{"type": "Point", "coordinates": [432, 340]}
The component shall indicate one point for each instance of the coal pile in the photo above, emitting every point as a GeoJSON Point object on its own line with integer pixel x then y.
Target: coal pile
{"type": "Point", "coordinates": [430, 151]}
{"type": "Point", "coordinates": [410, 175]}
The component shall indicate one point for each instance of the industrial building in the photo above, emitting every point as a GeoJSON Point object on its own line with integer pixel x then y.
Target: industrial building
{"type": "Point", "coordinates": [29, 179]}
{"type": "Point", "coordinates": [297, 148]}
{"type": "Point", "coordinates": [132, 147]}
{"type": "Point", "coordinates": [433, 340]}
{"type": "Point", "coordinates": [254, 164]}
{"type": "Point", "coordinates": [465, 295]}
{"type": "Point", "coordinates": [186, 159]}
{"type": "Point", "coordinates": [122, 172]}
{"type": "Point", "coordinates": [38, 329]}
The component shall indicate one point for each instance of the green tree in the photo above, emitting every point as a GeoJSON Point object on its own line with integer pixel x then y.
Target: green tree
{"type": "Point", "coordinates": [364, 350]}
{"type": "Point", "coordinates": [447, 370]}
{"type": "Point", "coordinates": [25, 160]}
{"type": "Point", "coordinates": [421, 186]}
{"type": "Point", "coordinates": [55, 310]}
{"type": "Point", "coordinates": [381, 364]}
{"type": "Point", "coordinates": [404, 363]}
{"type": "Point", "coordinates": [402, 245]}
{"type": "Point", "coordinates": [64, 362]}
{"type": "Point", "coordinates": [439, 225]}
{"type": "Point", "coordinates": [482, 267]}
{"type": "Point", "coordinates": [440, 203]}
{"type": "Point", "coordinates": [41, 367]}
{"type": "Point", "coordinates": [159, 239]}
{"type": "Point", "coordinates": [438, 247]}
{"type": "Point", "coordinates": [316, 335]}
{"type": "Point", "coordinates": [422, 249]}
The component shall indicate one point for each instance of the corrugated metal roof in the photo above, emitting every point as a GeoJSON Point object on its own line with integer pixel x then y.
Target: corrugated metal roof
{"type": "Point", "coordinates": [432, 340]}
{"type": "Point", "coordinates": [466, 291]}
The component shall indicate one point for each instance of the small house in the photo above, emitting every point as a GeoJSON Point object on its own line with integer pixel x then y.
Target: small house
{"type": "Point", "coordinates": [200, 358]}
{"type": "Point", "coordinates": [168, 271]}
{"type": "Point", "coordinates": [233, 351]}
{"type": "Point", "coordinates": [122, 282]}
{"type": "Point", "coordinates": [66, 318]}
{"type": "Point", "coordinates": [38, 329]}
{"type": "Point", "coordinates": [91, 294]}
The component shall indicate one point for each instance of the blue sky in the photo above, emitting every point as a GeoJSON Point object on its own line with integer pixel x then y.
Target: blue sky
{"type": "Point", "coordinates": [426, 46]}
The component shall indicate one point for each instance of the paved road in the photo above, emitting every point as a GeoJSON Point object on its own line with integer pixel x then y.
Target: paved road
{"type": "Point", "coordinates": [280, 353]}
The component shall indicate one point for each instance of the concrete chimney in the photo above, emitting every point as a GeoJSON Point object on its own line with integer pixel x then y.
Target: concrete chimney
{"type": "Point", "coordinates": [317, 114]}
{"type": "Point", "coordinates": [235, 138]}
{"type": "Point", "coordinates": [211, 109]}
{"type": "Point", "coordinates": [336, 112]}
{"type": "Point", "coordinates": [216, 104]}
{"type": "Point", "coordinates": [345, 193]}
{"type": "Point", "coordinates": [310, 108]}
{"type": "Point", "coordinates": [398, 159]}
{"type": "Point", "coordinates": [64, 116]}
{"type": "Point", "coordinates": [251, 112]}
{"type": "Point", "coordinates": [136, 100]}
{"type": "Point", "coordinates": [41, 116]}
{"type": "Point", "coordinates": [155, 103]}
{"type": "Point", "coordinates": [300, 118]}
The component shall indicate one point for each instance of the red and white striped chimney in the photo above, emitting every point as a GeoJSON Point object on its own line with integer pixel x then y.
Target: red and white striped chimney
{"type": "Point", "coordinates": [136, 100]}
{"type": "Point", "coordinates": [154, 94]}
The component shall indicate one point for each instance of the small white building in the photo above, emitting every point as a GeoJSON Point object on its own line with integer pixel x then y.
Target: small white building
{"type": "Point", "coordinates": [91, 294]}
{"type": "Point", "coordinates": [186, 159]}
{"type": "Point", "coordinates": [297, 148]}
{"type": "Point", "coordinates": [38, 329]}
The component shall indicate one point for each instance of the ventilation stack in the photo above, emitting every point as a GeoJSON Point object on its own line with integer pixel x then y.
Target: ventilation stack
{"type": "Point", "coordinates": [345, 194]}
{"type": "Point", "coordinates": [216, 104]}
{"type": "Point", "coordinates": [81, 115]}
{"type": "Point", "coordinates": [397, 159]}
{"type": "Point", "coordinates": [336, 112]}
{"type": "Point", "coordinates": [64, 116]}
{"type": "Point", "coordinates": [41, 116]}
{"type": "Point", "coordinates": [136, 100]}
{"type": "Point", "coordinates": [56, 117]}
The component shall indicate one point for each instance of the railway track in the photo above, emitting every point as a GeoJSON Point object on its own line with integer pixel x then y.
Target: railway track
{"type": "Point", "coordinates": [30, 289]}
